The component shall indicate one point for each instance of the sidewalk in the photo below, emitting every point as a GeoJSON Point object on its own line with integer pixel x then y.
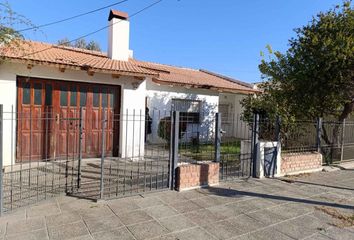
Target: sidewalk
{"type": "Point", "coordinates": [313, 206]}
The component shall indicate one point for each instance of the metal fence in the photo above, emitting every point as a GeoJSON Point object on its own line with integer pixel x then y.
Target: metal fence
{"type": "Point", "coordinates": [335, 140]}
{"type": "Point", "coordinates": [30, 171]}
{"type": "Point", "coordinates": [108, 155]}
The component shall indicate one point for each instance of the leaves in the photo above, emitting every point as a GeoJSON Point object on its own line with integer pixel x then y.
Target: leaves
{"type": "Point", "coordinates": [315, 76]}
{"type": "Point", "coordinates": [80, 43]}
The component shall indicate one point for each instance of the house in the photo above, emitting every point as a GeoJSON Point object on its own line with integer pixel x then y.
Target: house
{"type": "Point", "coordinates": [45, 81]}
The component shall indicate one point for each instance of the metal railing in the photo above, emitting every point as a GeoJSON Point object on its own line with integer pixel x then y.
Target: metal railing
{"type": "Point", "coordinates": [45, 154]}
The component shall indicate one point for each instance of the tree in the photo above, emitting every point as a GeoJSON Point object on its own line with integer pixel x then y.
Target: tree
{"type": "Point", "coordinates": [80, 43]}
{"type": "Point", "coordinates": [315, 76]}
{"type": "Point", "coordinates": [64, 42]}
{"type": "Point", "coordinates": [10, 38]}
{"type": "Point", "coordinates": [92, 45]}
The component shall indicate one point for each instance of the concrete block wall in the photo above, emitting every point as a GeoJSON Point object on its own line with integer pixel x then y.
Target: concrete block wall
{"type": "Point", "coordinates": [295, 163]}
{"type": "Point", "coordinates": [190, 176]}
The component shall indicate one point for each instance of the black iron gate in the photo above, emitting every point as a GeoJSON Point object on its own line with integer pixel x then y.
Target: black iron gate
{"type": "Point", "coordinates": [140, 167]}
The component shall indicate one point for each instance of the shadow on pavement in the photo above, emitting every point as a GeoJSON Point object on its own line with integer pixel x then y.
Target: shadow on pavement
{"type": "Point", "coordinates": [235, 193]}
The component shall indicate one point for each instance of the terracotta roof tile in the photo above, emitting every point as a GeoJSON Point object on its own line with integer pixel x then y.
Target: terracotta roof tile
{"type": "Point", "coordinates": [49, 54]}
{"type": "Point", "coordinates": [196, 78]}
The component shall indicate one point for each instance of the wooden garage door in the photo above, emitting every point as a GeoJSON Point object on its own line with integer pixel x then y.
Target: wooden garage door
{"type": "Point", "coordinates": [48, 117]}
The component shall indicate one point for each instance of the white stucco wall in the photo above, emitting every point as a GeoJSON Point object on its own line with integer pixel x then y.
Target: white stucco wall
{"type": "Point", "coordinates": [159, 99]}
{"type": "Point", "coordinates": [233, 125]}
{"type": "Point", "coordinates": [131, 99]}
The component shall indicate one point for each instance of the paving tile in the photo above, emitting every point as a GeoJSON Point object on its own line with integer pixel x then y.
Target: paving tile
{"type": "Point", "coordinates": [170, 236]}
{"type": "Point", "coordinates": [225, 199]}
{"type": "Point", "coordinates": [21, 226]}
{"type": "Point", "coordinates": [195, 234]}
{"type": "Point", "coordinates": [185, 206]}
{"type": "Point", "coordinates": [266, 217]}
{"type": "Point", "coordinates": [318, 236]}
{"type": "Point", "coordinates": [246, 237]}
{"type": "Point", "coordinates": [67, 231]}
{"type": "Point", "coordinates": [96, 211]}
{"type": "Point", "coordinates": [192, 194]}
{"type": "Point", "coordinates": [311, 223]}
{"type": "Point", "coordinates": [242, 207]}
{"type": "Point", "coordinates": [84, 237]}
{"type": "Point", "coordinates": [171, 197]}
{"type": "Point", "coordinates": [123, 205]}
{"type": "Point", "coordinates": [245, 223]}
{"type": "Point", "coordinates": [204, 217]}
{"type": "Point", "coordinates": [227, 211]}
{"type": "Point", "coordinates": [34, 235]}
{"type": "Point", "coordinates": [16, 215]}
{"type": "Point", "coordinates": [148, 202]}
{"type": "Point", "coordinates": [108, 223]}
{"type": "Point", "coordinates": [2, 229]}
{"type": "Point", "coordinates": [147, 230]}
{"type": "Point", "coordinates": [118, 234]}
{"type": "Point", "coordinates": [176, 223]}
{"type": "Point", "coordinates": [43, 210]}
{"type": "Point", "coordinates": [78, 204]}
{"type": "Point", "coordinates": [223, 229]}
{"type": "Point", "coordinates": [160, 211]}
{"type": "Point", "coordinates": [206, 201]}
{"type": "Point", "coordinates": [288, 211]}
{"type": "Point", "coordinates": [63, 218]}
{"type": "Point", "coordinates": [270, 233]}
{"type": "Point", "coordinates": [134, 217]}
{"type": "Point", "coordinates": [339, 233]}
{"type": "Point", "coordinates": [293, 230]}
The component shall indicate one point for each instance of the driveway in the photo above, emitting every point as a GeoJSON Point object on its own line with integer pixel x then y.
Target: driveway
{"type": "Point", "coordinates": [311, 206]}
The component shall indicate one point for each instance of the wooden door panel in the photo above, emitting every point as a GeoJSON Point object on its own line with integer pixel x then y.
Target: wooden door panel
{"type": "Point", "coordinates": [45, 129]}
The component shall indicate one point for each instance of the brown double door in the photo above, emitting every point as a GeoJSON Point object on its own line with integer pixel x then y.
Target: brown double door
{"type": "Point", "coordinates": [48, 115]}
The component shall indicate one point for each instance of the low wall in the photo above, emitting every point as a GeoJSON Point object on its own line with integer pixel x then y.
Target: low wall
{"type": "Point", "coordinates": [190, 176]}
{"type": "Point", "coordinates": [296, 163]}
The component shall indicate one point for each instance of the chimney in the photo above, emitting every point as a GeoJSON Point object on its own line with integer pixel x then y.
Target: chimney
{"type": "Point", "coordinates": [118, 36]}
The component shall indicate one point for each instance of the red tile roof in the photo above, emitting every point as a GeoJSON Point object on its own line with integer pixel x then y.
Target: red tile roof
{"type": "Point", "coordinates": [80, 59]}
{"type": "Point", "coordinates": [49, 54]}
{"type": "Point", "coordinates": [195, 78]}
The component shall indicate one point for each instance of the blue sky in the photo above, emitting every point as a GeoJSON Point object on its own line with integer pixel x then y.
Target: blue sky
{"type": "Point", "coordinates": [225, 36]}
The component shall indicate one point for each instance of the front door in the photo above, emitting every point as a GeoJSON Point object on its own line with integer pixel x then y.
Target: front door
{"type": "Point", "coordinates": [49, 113]}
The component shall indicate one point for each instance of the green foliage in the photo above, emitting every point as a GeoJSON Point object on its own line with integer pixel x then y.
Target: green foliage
{"type": "Point", "coordinates": [80, 43]}
{"type": "Point", "coordinates": [164, 128]}
{"type": "Point", "coordinates": [92, 45]}
{"type": "Point", "coordinates": [9, 19]}
{"type": "Point", "coordinates": [315, 76]}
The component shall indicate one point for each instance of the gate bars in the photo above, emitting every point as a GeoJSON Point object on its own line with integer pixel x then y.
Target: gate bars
{"type": "Point", "coordinates": [152, 144]}
{"type": "Point", "coordinates": [30, 174]}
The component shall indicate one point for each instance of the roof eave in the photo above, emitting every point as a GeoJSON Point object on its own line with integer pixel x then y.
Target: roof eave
{"type": "Point", "coordinates": [79, 67]}
{"type": "Point", "coordinates": [219, 89]}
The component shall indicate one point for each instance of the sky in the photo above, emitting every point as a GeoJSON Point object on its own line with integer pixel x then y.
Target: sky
{"type": "Point", "coordinates": [224, 36]}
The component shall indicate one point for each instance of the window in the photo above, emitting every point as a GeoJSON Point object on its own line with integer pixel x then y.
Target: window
{"type": "Point", "coordinates": [26, 93]}
{"type": "Point", "coordinates": [104, 98]}
{"type": "Point", "coordinates": [96, 97]}
{"type": "Point", "coordinates": [83, 96]}
{"type": "Point", "coordinates": [37, 94]}
{"type": "Point", "coordinates": [63, 96]}
{"type": "Point", "coordinates": [48, 94]}
{"type": "Point", "coordinates": [189, 109]}
{"type": "Point", "coordinates": [73, 96]}
{"type": "Point", "coordinates": [111, 100]}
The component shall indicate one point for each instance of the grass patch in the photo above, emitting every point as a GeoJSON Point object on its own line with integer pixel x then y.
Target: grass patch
{"type": "Point", "coordinates": [229, 151]}
{"type": "Point", "coordinates": [345, 220]}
